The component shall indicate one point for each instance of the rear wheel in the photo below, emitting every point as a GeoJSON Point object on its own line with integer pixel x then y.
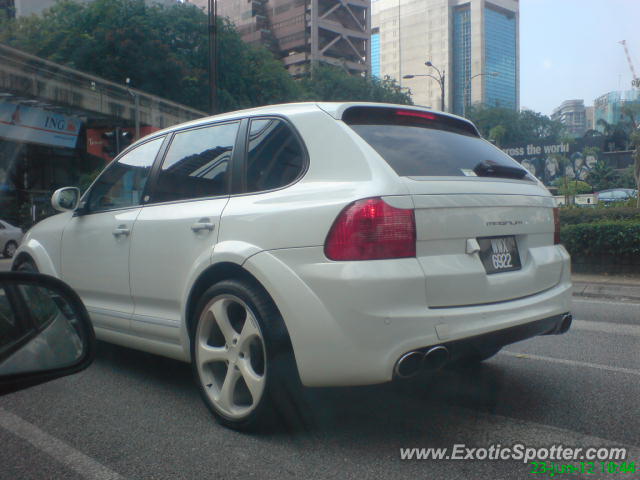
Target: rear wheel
{"type": "Point", "coordinates": [25, 264]}
{"type": "Point", "coordinates": [10, 249]}
{"type": "Point", "coordinates": [477, 357]}
{"type": "Point", "coordinates": [240, 354]}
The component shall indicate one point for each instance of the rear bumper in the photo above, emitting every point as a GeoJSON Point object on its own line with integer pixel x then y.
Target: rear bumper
{"type": "Point", "coordinates": [350, 322]}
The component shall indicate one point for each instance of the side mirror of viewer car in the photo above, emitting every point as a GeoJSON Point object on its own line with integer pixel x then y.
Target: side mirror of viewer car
{"type": "Point", "coordinates": [45, 331]}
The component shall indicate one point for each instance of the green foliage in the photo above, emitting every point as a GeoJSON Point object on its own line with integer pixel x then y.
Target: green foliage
{"type": "Point", "coordinates": [603, 176]}
{"type": "Point", "coordinates": [574, 216]}
{"type": "Point", "coordinates": [164, 51]}
{"type": "Point", "coordinates": [571, 187]}
{"type": "Point", "coordinates": [329, 83]}
{"type": "Point", "coordinates": [519, 127]}
{"type": "Point", "coordinates": [608, 237]}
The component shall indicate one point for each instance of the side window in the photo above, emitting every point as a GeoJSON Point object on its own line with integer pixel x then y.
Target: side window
{"type": "Point", "coordinates": [275, 156]}
{"type": "Point", "coordinates": [196, 164]}
{"type": "Point", "coordinates": [122, 184]}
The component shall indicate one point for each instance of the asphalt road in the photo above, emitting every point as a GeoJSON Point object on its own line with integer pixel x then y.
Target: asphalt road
{"type": "Point", "coordinates": [133, 415]}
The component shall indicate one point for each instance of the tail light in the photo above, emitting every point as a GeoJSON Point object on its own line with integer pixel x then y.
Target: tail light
{"type": "Point", "coordinates": [556, 226]}
{"type": "Point", "coordinates": [370, 229]}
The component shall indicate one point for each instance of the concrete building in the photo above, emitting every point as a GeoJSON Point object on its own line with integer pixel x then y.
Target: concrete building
{"type": "Point", "coordinates": [303, 32]}
{"type": "Point", "coordinates": [572, 114]}
{"type": "Point", "coordinates": [590, 121]}
{"type": "Point", "coordinates": [465, 39]}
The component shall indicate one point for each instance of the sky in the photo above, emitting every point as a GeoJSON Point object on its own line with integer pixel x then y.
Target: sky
{"type": "Point", "coordinates": [569, 50]}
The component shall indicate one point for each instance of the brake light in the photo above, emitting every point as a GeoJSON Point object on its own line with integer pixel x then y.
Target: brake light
{"type": "Point", "coordinates": [370, 229]}
{"type": "Point", "coordinates": [412, 113]}
{"type": "Point", "coordinates": [556, 226]}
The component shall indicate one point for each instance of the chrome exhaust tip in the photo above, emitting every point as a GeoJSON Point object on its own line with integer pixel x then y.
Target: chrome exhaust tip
{"type": "Point", "coordinates": [409, 364]}
{"type": "Point", "coordinates": [565, 324]}
{"type": "Point", "coordinates": [435, 358]}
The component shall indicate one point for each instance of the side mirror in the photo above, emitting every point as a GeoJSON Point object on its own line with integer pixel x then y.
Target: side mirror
{"type": "Point", "coordinates": [65, 199]}
{"type": "Point", "coordinates": [45, 331]}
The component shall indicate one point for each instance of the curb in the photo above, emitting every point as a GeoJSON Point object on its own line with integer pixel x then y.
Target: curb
{"type": "Point", "coordinates": [610, 291]}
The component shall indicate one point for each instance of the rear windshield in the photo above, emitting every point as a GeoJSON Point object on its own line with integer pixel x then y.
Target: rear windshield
{"type": "Point", "coordinates": [423, 144]}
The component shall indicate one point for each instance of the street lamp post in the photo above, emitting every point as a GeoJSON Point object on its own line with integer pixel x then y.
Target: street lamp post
{"type": "Point", "coordinates": [440, 79]}
{"type": "Point", "coordinates": [213, 56]}
{"type": "Point", "coordinates": [467, 88]}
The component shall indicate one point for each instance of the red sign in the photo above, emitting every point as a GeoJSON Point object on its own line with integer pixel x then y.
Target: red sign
{"type": "Point", "coordinates": [96, 143]}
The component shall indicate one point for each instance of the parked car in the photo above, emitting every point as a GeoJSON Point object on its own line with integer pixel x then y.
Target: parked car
{"type": "Point", "coordinates": [616, 195]}
{"type": "Point", "coordinates": [45, 331]}
{"type": "Point", "coordinates": [10, 238]}
{"type": "Point", "coordinates": [330, 244]}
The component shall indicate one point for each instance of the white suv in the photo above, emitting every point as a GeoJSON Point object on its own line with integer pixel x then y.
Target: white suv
{"type": "Point", "coordinates": [347, 243]}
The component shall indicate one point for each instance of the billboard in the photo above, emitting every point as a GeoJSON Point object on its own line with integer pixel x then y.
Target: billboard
{"type": "Point", "coordinates": [24, 124]}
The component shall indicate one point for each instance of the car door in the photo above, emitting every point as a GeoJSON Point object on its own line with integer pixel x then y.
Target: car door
{"type": "Point", "coordinates": [96, 241]}
{"type": "Point", "coordinates": [176, 231]}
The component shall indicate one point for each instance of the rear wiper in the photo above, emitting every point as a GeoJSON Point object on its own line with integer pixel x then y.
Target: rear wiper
{"type": "Point", "coordinates": [487, 168]}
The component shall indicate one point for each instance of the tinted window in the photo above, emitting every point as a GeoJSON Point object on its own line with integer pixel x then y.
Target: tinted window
{"type": "Point", "coordinates": [196, 164]}
{"type": "Point", "coordinates": [275, 156]}
{"type": "Point", "coordinates": [122, 184]}
{"type": "Point", "coordinates": [420, 144]}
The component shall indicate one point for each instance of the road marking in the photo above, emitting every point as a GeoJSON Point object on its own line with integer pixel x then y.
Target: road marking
{"type": "Point", "coordinates": [573, 363]}
{"type": "Point", "coordinates": [607, 327]}
{"type": "Point", "coordinates": [59, 450]}
{"type": "Point", "coordinates": [604, 301]}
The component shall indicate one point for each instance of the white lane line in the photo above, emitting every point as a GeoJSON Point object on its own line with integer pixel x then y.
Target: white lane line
{"type": "Point", "coordinates": [603, 301]}
{"type": "Point", "coordinates": [59, 450]}
{"type": "Point", "coordinates": [573, 363]}
{"type": "Point", "coordinates": [607, 327]}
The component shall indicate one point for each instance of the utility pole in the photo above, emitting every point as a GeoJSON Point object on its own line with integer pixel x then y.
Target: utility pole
{"type": "Point", "coordinates": [213, 56]}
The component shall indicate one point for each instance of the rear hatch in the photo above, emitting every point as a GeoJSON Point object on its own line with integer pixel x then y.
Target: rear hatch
{"type": "Point", "coordinates": [484, 225]}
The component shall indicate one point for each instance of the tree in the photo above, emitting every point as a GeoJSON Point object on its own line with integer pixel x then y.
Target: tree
{"type": "Point", "coordinates": [330, 83]}
{"type": "Point", "coordinates": [497, 133]}
{"type": "Point", "coordinates": [164, 51]}
{"type": "Point", "coordinates": [602, 176]}
{"type": "Point", "coordinates": [519, 127]}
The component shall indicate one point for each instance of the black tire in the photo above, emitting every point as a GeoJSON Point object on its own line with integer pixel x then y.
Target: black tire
{"type": "Point", "coordinates": [279, 374]}
{"type": "Point", "coordinates": [9, 249]}
{"type": "Point", "coordinates": [476, 358]}
{"type": "Point", "coordinates": [25, 264]}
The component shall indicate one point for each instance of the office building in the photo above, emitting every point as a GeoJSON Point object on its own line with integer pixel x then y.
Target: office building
{"type": "Point", "coordinates": [572, 114]}
{"type": "Point", "coordinates": [609, 107]}
{"type": "Point", "coordinates": [305, 32]}
{"type": "Point", "coordinates": [474, 43]}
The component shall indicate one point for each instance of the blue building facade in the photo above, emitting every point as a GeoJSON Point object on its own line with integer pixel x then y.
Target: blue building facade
{"type": "Point", "coordinates": [375, 54]}
{"type": "Point", "coordinates": [461, 50]}
{"type": "Point", "coordinates": [501, 57]}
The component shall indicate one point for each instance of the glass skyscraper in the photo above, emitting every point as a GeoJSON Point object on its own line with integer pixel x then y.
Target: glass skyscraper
{"type": "Point", "coordinates": [461, 57]}
{"type": "Point", "coordinates": [500, 57]}
{"type": "Point", "coordinates": [375, 54]}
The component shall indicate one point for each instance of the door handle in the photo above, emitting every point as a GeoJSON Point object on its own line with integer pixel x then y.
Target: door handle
{"type": "Point", "coordinates": [121, 230]}
{"type": "Point", "coordinates": [203, 224]}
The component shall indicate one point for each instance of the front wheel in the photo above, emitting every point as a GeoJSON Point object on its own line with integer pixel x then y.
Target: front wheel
{"type": "Point", "coordinates": [10, 249]}
{"type": "Point", "coordinates": [238, 349]}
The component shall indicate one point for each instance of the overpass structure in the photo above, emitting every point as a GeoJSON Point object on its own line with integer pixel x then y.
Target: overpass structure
{"type": "Point", "coordinates": [56, 122]}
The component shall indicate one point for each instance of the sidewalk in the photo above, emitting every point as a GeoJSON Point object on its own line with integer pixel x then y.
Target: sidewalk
{"type": "Point", "coordinates": [611, 287]}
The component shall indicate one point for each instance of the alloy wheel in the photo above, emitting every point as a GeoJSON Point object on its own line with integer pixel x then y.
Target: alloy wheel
{"type": "Point", "coordinates": [230, 356]}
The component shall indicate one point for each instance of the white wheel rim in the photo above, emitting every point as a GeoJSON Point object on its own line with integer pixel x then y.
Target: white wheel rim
{"type": "Point", "coordinates": [230, 356]}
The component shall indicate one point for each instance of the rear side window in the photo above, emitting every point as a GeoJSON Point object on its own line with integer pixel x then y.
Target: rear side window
{"type": "Point", "coordinates": [424, 144]}
{"type": "Point", "coordinates": [196, 164]}
{"type": "Point", "coordinates": [275, 156]}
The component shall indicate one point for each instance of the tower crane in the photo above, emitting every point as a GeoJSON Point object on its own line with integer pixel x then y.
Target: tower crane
{"type": "Point", "coordinates": [636, 81]}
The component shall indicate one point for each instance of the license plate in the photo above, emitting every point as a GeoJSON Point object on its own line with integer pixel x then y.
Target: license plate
{"type": "Point", "coordinates": [499, 254]}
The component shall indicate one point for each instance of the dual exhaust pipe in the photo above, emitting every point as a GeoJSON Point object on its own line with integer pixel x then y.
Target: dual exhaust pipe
{"type": "Point", "coordinates": [412, 363]}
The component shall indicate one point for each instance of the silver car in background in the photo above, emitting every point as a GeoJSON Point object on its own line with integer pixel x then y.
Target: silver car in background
{"type": "Point", "coordinates": [10, 238]}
